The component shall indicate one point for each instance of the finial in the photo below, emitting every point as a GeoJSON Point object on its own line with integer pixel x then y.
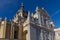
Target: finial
{"type": "Point", "coordinates": [21, 8]}
{"type": "Point", "coordinates": [22, 4]}
{"type": "Point", "coordinates": [37, 8]}
{"type": "Point", "coordinates": [52, 23]}
{"type": "Point", "coordinates": [0, 18]}
{"type": "Point", "coordinates": [31, 14]}
{"type": "Point", "coordinates": [42, 8]}
{"type": "Point", "coordinates": [5, 18]}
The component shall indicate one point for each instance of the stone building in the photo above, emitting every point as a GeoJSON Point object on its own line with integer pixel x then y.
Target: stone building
{"type": "Point", "coordinates": [27, 26]}
{"type": "Point", "coordinates": [57, 33]}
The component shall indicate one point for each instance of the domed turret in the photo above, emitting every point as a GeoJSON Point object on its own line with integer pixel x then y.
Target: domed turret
{"type": "Point", "coordinates": [21, 14]}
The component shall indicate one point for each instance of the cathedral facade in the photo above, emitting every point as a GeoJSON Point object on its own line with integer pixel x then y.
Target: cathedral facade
{"type": "Point", "coordinates": [27, 26]}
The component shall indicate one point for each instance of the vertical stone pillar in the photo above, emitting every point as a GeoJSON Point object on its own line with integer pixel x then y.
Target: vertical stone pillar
{"type": "Point", "coordinates": [52, 36]}
{"type": "Point", "coordinates": [49, 36]}
{"type": "Point", "coordinates": [45, 34]}
{"type": "Point", "coordinates": [29, 36]}
{"type": "Point", "coordinates": [20, 32]}
{"type": "Point", "coordinates": [38, 12]}
{"type": "Point", "coordinates": [4, 30]}
{"type": "Point", "coordinates": [12, 32]}
{"type": "Point", "coordinates": [42, 20]}
{"type": "Point", "coordinates": [41, 34]}
{"type": "Point", "coordinates": [47, 23]}
{"type": "Point", "coordinates": [39, 18]}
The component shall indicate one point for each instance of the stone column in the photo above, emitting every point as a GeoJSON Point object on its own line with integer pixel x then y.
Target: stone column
{"type": "Point", "coordinates": [12, 32]}
{"type": "Point", "coordinates": [49, 36]}
{"type": "Point", "coordinates": [47, 23]}
{"type": "Point", "coordinates": [29, 36]}
{"type": "Point", "coordinates": [39, 18]}
{"type": "Point", "coordinates": [20, 32]}
{"type": "Point", "coordinates": [42, 20]}
{"type": "Point", "coordinates": [41, 34]}
{"type": "Point", "coordinates": [45, 34]}
{"type": "Point", "coordinates": [52, 36]}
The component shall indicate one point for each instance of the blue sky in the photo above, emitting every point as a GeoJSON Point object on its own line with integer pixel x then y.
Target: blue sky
{"type": "Point", "coordinates": [8, 8]}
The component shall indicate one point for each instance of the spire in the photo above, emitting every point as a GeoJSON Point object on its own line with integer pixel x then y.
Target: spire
{"type": "Point", "coordinates": [22, 6]}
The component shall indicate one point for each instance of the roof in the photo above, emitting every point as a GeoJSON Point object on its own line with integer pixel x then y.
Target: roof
{"type": "Point", "coordinates": [57, 29]}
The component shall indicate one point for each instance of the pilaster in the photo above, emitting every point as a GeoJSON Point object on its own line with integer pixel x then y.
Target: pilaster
{"type": "Point", "coordinates": [42, 20]}
{"type": "Point", "coordinates": [41, 34]}
{"type": "Point", "coordinates": [20, 32]}
{"type": "Point", "coordinates": [12, 31]}
{"type": "Point", "coordinates": [39, 18]}
{"type": "Point", "coordinates": [29, 35]}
